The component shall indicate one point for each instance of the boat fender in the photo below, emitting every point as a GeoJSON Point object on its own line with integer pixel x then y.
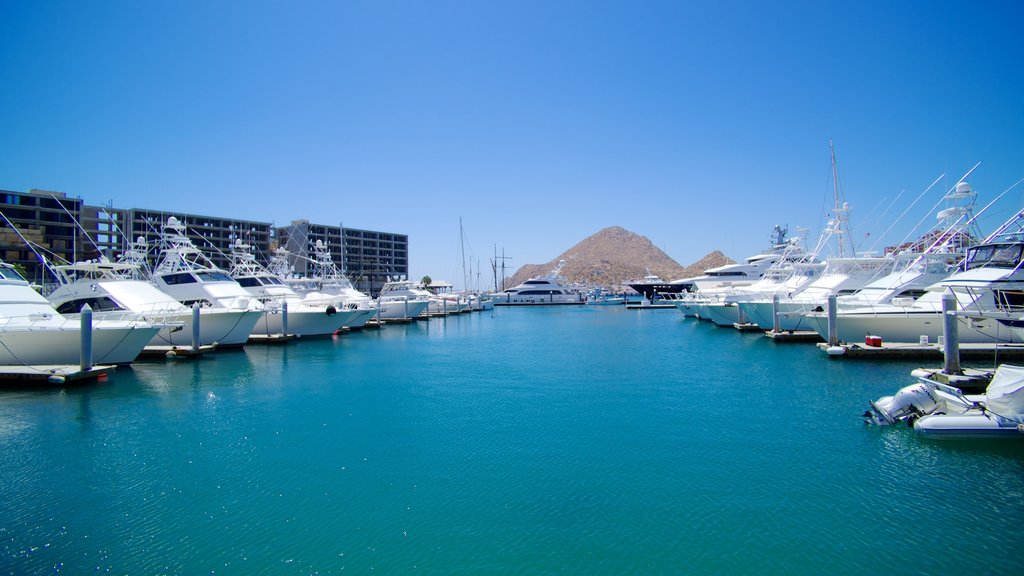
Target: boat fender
{"type": "Point", "coordinates": [331, 310]}
{"type": "Point", "coordinates": [835, 350]}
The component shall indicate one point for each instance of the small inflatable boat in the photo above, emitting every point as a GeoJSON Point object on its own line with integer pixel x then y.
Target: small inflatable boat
{"type": "Point", "coordinates": [938, 410]}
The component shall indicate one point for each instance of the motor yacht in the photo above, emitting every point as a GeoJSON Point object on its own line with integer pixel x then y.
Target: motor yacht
{"type": "Point", "coordinates": [188, 275]}
{"type": "Point", "coordinates": [542, 290]}
{"type": "Point", "coordinates": [34, 333]}
{"type": "Point", "coordinates": [306, 316]}
{"type": "Point", "coordinates": [988, 285]}
{"type": "Point", "coordinates": [403, 298]}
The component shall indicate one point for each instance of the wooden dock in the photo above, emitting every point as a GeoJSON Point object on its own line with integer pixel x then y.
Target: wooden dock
{"type": "Point", "coordinates": [905, 351]}
{"type": "Point", "coordinates": [51, 375]}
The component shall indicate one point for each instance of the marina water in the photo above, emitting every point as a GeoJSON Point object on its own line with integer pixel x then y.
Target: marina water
{"type": "Point", "coordinates": [525, 441]}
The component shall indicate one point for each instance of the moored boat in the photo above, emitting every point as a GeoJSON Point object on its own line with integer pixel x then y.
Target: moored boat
{"type": "Point", "coordinates": [937, 410]}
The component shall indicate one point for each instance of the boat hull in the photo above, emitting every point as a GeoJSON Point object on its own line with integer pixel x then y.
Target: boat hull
{"type": "Point", "coordinates": [113, 345]}
{"type": "Point", "coordinates": [304, 322]}
{"type": "Point", "coordinates": [910, 327]}
{"type": "Point", "coordinates": [967, 426]}
{"type": "Point", "coordinates": [401, 309]}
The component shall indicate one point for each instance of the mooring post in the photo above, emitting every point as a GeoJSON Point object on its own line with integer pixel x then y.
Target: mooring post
{"type": "Point", "coordinates": [950, 335]}
{"type": "Point", "coordinates": [195, 327]}
{"type": "Point", "coordinates": [86, 333]}
{"type": "Point", "coordinates": [776, 322]}
{"type": "Point", "coordinates": [833, 331]}
{"type": "Point", "coordinates": [284, 318]}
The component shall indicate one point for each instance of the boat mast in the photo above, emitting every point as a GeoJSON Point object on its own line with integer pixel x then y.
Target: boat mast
{"type": "Point", "coordinates": [462, 254]}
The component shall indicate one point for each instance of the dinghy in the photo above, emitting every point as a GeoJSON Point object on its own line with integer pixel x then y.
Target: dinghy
{"type": "Point", "coordinates": [938, 410]}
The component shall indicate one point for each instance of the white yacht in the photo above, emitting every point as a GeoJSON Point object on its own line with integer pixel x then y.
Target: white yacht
{"type": "Point", "coordinates": [987, 285]}
{"type": "Point", "coordinates": [791, 272]}
{"type": "Point", "coordinates": [33, 333]}
{"type": "Point", "coordinates": [306, 317]}
{"type": "Point", "coordinates": [444, 300]}
{"type": "Point", "coordinates": [802, 273]}
{"type": "Point", "coordinates": [730, 276]}
{"type": "Point", "coordinates": [543, 290]}
{"type": "Point", "coordinates": [403, 299]}
{"type": "Point", "coordinates": [187, 275]}
{"type": "Point", "coordinates": [326, 285]}
{"type": "Point", "coordinates": [917, 265]}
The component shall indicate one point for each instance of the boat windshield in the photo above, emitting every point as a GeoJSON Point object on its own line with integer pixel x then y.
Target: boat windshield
{"type": "Point", "coordinates": [10, 274]}
{"type": "Point", "coordinates": [213, 277]}
{"type": "Point", "coordinates": [994, 256]}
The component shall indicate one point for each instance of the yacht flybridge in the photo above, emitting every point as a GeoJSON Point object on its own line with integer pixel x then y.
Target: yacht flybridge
{"type": "Point", "coordinates": [543, 290]}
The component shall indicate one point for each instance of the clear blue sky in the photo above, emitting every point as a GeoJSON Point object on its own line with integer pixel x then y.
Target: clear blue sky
{"type": "Point", "coordinates": [697, 124]}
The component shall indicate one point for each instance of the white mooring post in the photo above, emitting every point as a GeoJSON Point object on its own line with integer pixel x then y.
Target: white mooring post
{"type": "Point", "coordinates": [833, 332]}
{"type": "Point", "coordinates": [86, 330]}
{"type": "Point", "coordinates": [776, 323]}
{"type": "Point", "coordinates": [950, 335]}
{"type": "Point", "coordinates": [195, 326]}
{"type": "Point", "coordinates": [284, 318]}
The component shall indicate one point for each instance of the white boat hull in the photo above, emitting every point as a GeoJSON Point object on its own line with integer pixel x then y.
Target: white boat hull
{"type": "Point", "coordinates": [401, 309]}
{"type": "Point", "coordinates": [303, 322]}
{"type": "Point", "coordinates": [910, 327]}
{"type": "Point", "coordinates": [973, 424]}
{"type": "Point", "coordinates": [114, 345]}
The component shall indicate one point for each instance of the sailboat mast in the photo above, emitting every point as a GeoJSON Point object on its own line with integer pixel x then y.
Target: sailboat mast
{"type": "Point", "coordinates": [462, 254]}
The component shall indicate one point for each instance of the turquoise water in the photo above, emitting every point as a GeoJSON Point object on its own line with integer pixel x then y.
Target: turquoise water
{"type": "Point", "coordinates": [534, 441]}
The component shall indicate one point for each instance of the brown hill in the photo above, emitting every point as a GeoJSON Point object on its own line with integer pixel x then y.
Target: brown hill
{"type": "Point", "coordinates": [615, 256]}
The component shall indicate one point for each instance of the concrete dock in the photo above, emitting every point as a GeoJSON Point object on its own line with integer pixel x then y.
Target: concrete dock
{"type": "Point", "coordinates": [51, 375]}
{"type": "Point", "coordinates": [904, 351]}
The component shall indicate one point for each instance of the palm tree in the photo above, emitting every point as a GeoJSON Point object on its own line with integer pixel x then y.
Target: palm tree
{"type": "Point", "coordinates": [426, 280]}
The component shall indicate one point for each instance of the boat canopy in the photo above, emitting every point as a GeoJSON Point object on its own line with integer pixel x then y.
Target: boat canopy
{"type": "Point", "coordinates": [1005, 393]}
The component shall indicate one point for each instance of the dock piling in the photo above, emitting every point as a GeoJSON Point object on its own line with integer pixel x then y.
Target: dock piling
{"type": "Point", "coordinates": [776, 322]}
{"type": "Point", "coordinates": [284, 318]}
{"type": "Point", "coordinates": [950, 336]}
{"type": "Point", "coordinates": [86, 334]}
{"type": "Point", "coordinates": [195, 327]}
{"type": "Point", "coordinates": [833, 332]}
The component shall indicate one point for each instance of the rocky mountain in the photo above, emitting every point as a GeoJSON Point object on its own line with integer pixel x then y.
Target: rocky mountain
{"type": "Point", "coordinates": [615, 256]}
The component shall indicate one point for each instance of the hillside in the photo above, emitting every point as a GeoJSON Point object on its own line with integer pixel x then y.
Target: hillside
{"type": "Point", "coordinates": [615, 256]}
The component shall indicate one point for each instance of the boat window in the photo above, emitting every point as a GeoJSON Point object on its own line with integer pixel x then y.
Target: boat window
{"type": "Point", "coordinates": [994, 255]}
{"type": "Point", "coordinates": [10, 274]}
{"type": "Point", "coordinates": [915, 294]}
{"type": "Point", "coordinates": [97, 304]}
{"type": "Point", "coordinates": [273, 280]}
{"type": "Point", "coordinates": [536, 282]}
{"type": "Point", "coordinates": [179, 278]}
{"type": "Point", "coordinates": [213, 277]}
{"type": "Point", "coordinates": [538, 292]}
{"type": "Point", "coordinates": [248, 282]}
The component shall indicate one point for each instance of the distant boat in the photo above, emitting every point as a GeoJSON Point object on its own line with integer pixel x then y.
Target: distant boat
{"type": "Point", "coordinates": [542, 290]}
{"type": "Point", "coordinates": [653, 288]}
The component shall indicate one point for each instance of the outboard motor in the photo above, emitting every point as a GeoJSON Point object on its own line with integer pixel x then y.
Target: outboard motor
{"type": "Point", "coordinates": [907, 405]}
